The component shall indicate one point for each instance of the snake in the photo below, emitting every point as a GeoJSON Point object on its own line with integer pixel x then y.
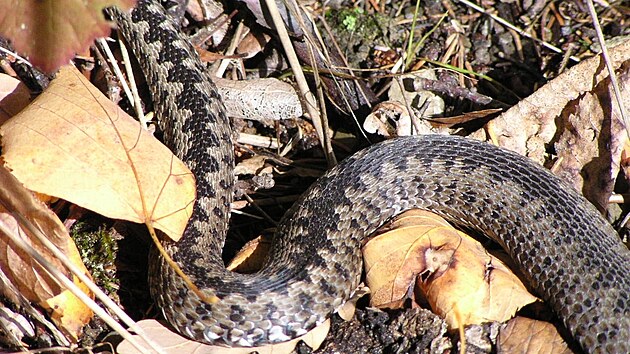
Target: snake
{"type": "Point", "coordinates": [569, 254]}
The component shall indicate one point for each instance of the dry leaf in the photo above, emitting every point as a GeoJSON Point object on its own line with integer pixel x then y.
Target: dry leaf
{"type": "Point", "coordinates": [251, 257]}
{"type": "Point", "coordinates": [388, 119]}
{"type": "Point", "coordinates": [209, 12]}
{"type": "Point", "coordinates": [16, 326]}
{"type": "Point", "coordinates": [250, 166]}
{"type": "Point", "coordinates": [75, 144]}
{"type": "Point", "coordinates": [392, 118]}
{"type": "Point", "coordinates": [14, 96]}
{"type": "Point", "coordinates": [176, 344]}
{"type": "Point", "coordinates": [529, 125]}
{"type": "Point", "coordinates": [461, 281]}
{"type": "Point", "coordinates": [259, 99]}
{"type": "Point", "coordinates": [253, 43]}
{"type": "Point", "coordinates": [581, 159]}
{"type": "Point", "coordinates": [576, 113]}
{"type": "Point", "coordinates": [408, 93]}
{"type": "Point", "coordinates": [18, 206]}
{"type": "Point", "coordinates": [50, 32]}
{"type": "Point", "coordinates": [524, 335]}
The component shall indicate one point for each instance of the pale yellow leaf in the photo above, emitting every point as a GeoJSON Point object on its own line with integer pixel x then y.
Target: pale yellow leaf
{"type": "Point", "coordinates": [251, 257]}
{"type": "Point", "coordinates": [75, 144]}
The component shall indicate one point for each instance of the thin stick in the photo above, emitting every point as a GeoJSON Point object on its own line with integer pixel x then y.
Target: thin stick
{"type": "Point", "coordinates": [132, 83]}
{"type": "Point", "coordinates": [299, 76]}
{"type": "Point", "coordinates": [15, 55]}
{"type": "Point", "coordinates": [117, 71]}
{"type": "Point", "coordinates": [236, 39]}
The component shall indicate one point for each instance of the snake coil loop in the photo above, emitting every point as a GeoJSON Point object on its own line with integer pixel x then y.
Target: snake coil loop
{"type": "Point", "coordinates": [569, 253]}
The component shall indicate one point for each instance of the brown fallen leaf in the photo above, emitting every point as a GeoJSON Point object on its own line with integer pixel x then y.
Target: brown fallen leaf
{"type": "Point", "coordinates": [464, 117]}
{"type": "Point", "coordinates": [524, 335]}
{"type": "Point", "coordinates": [581, 159]}
{"type": "Point", "coordinates": [51, 32]}
{"type": "Point", "coordinates": [576, 115]}
{"type": "Point", "coordinates": [209, 12]}
{"type": "Point", "coordinates": [18, 206]}
{"type": "Point", "coordinates": [461, 281]}
{"type": "Point", "coordinates": [253, 43]}
{"type": "Point", "coordinates": [250, 166]}
{"type": "Point", "coordinates": [75, 144]}
{"type": "Point", "coordinates": [176, 344]}
{"type": "Point", "coordinates": [529, 125]}
{"type": "Point", "coordinates": [388, 119]}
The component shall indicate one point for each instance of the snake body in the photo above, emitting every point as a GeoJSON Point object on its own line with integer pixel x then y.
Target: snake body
{"type": "Point", "coordinates": [570, 255]}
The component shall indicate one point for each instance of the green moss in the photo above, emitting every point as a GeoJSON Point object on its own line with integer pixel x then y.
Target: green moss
{"type": "Point", "coordinates": [358, 32]}
{"type": "Point", "coordinates": [98, 250]}
{"type": "Point", "coordinates": [357, 22]}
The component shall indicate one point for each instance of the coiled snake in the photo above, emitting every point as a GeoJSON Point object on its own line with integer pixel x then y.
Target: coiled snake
{"type": "Point", "coordinates": [570, 255]}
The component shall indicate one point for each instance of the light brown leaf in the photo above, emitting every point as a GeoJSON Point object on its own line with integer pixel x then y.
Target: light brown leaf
{"type": "Point", "coordinates": [253, 43]}
{"type": "Point", "coordinates": [50, 32]}
{"type": "Point", "coordinates": [524, 335]}
{"type": "Point", "coordinates": [529, 125]}
{"type": "Point", "coordinates": [18, 206]}
{"type": "Point", "coordinates": [250, 166]}
{"type": "Point", "coordinates": [75, 144]}
{"type": "Point", "coordinates": [462, 282]}
{"type": "Point", "coordinates": [592, 123]}
{"type": "Point", "coordinates": [576, 114]}
{"type": "Point", "coordinates": [464, 117]}
{"type": "Point", "coordinates": [176, 344]}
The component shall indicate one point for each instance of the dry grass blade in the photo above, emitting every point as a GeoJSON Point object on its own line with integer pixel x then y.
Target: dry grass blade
{"type": "Point", "coordinates": [300, 79]}
{"type": "Point", "coordinates": [110, 56]}
{"type": "Point", "coordinates": [63, 281]}
{"type": "Point", "coordinates": [15, 55]}
{"type": "Point", "coordinates": [67, 283]}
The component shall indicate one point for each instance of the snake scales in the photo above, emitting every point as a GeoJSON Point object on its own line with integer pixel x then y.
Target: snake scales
{"type": "Point", "coordinates": [570, 255]}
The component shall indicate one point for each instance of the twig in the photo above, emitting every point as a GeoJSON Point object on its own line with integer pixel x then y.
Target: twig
{"type": "Point", "coordinates": [118, 72]}
{"type": "Point", "coordinates": [258, 140]}
{"type": "Point", "coordinates": [236, 39]}
{"type": "Point", "coordinates": [15, 55]}
{"type": "Point", "coordinates": [310, 104]}
{"type": "Point", "coordinates": [132, 83]}
{"type": "Point", "coordinates": [349, 76]}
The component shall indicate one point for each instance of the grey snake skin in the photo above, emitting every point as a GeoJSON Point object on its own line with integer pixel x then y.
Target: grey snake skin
{"type": "Point", "coordinates": [570, 255]}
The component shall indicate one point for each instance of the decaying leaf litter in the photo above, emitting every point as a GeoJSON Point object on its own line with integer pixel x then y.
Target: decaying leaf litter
{"type": "Point", "coordinates": [476, 64]}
